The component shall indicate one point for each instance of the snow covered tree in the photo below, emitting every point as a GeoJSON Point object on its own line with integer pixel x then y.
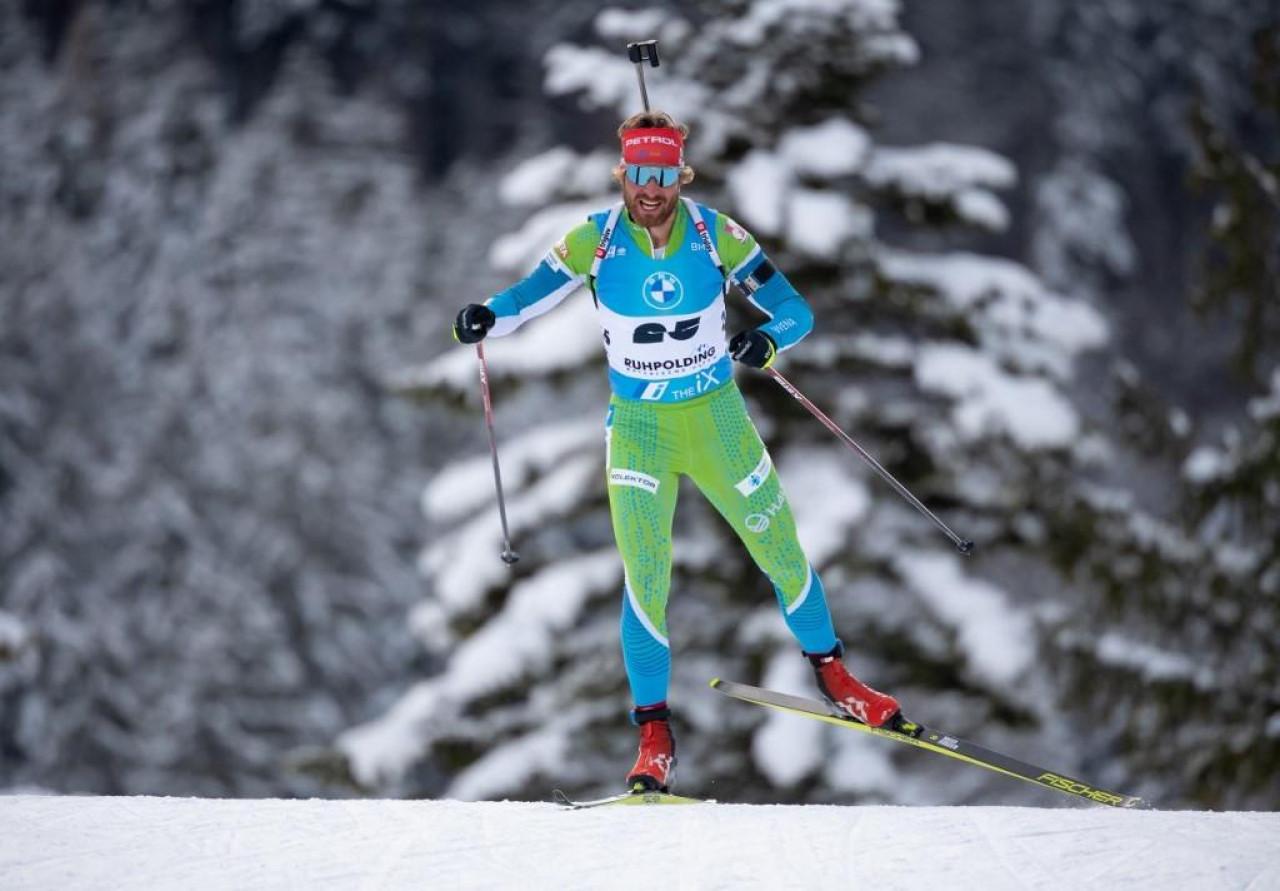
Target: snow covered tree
{"type": "Point", "coordinates": [1179, 644]}
{"type": "Point", "coordinates": [1175, 638]}
{"type": "Point", "coordinates": [1239, 168]}
{"type": "Point", "coordinates": [207, 537]}
{"type": "Point", "coordinates": [1130, 91]}
{"type": "Point", "coordinates": [951, 366]}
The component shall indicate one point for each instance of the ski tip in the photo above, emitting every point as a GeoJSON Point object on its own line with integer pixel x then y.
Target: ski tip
{"type": "Point", "coordinates": [714, 682]}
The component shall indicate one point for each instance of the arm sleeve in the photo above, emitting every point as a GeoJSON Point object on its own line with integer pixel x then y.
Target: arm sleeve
{"type": "Point", "coordinates": [790, 317]}
{"type": "Point", "coordinates": [556, 276]}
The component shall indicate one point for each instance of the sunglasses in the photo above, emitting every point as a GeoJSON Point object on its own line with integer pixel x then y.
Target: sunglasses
{"type": "Point", "coordinates": [642, 173]}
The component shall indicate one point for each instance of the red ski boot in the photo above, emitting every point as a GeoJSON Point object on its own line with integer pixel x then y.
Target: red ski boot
{"type": "Point", "coordinates": [655, 765]}
{"type": "Point", "coordinates": [850, 695]}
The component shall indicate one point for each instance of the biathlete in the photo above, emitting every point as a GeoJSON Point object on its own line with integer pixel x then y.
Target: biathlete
{"type": "Point", "coordinates": [659, 267]}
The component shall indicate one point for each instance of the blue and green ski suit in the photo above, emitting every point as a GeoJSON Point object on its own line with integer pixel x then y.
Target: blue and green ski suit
{"type": "Point", "coordinates": [676, 410]}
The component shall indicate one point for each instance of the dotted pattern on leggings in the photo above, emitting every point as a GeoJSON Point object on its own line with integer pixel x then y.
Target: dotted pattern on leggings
{"type": "Point", "coordinates": [640, 442]}
{"type": "Point", "coordinates": [726, 449]}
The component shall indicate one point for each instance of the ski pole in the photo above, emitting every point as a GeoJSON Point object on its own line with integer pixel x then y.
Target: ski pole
{"type": "Point", "coordinates": [509, 556]}
{"type": "Point", "coordinates": [640, 52]}
{"type": "Point", "coordinates": [962, 544]}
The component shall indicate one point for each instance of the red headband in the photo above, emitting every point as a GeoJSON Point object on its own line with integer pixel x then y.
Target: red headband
{"type": "Point", "coordinates": [661, 146]}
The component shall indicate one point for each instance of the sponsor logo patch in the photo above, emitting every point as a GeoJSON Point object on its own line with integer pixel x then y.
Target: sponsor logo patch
{"type": "Point", "coordinates": [755, 479]}
{"type": "Point", "coordinates": [605, 237]}
{"type": "Point", "coordinates": [662, 290]}
{"type": "Point", "coordinates": [562, 249]}
{"type": "Point", "coordinates": [735, 230]}
{"type": "Point", "coordinates": [1082, 789]}
{"type": "Point", "coordinates": [655, 390]}
{"type": "Point", "coordinates": [648, 140]}
{"type": "Point", "coordinates": [706, 380]}
{"type": "Point", "coordinates": [621, 477]}
{"type": "Point", "coordinates": [759, 522]}
{"type": "Point", "coordinates": [704, 355]}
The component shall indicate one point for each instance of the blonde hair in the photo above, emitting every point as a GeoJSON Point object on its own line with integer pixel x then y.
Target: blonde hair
{"type": "Point", "coordinates": [646, 119]}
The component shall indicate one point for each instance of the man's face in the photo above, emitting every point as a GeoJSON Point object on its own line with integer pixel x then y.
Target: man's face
{"type": "Point", "coordinates": [650, 205]}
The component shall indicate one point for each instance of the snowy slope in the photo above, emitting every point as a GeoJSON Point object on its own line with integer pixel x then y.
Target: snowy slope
{"type": "Point", "coordinates": [193, 844]}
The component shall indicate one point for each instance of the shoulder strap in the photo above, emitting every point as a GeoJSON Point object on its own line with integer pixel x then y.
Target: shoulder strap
{"type": "Point", "coordinates": [606, 236]}
{"type": "Point", "coordinates": [705, 235]}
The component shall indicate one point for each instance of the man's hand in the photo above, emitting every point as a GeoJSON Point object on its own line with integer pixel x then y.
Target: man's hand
{"type": "Point", "coordinates": [473, 323]}
{"type": "Point", "coordinates": [754, 348]}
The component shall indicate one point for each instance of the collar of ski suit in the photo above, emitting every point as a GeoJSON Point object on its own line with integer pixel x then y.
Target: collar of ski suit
{"type": "Point", "coordinates": [641, 236]}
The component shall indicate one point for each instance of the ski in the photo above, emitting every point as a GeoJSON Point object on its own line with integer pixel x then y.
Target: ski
{"type": "Point", "coordinates": [641, 797]}
{"type": "Point", "coordinates": [934, 741]}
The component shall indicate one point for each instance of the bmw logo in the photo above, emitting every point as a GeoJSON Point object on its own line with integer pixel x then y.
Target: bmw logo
{"type": "Point", "coordinates": [662, 290]}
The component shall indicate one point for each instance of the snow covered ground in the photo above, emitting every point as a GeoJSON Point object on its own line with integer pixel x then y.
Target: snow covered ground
{"type": "Point", "coordinates": [157, 843]}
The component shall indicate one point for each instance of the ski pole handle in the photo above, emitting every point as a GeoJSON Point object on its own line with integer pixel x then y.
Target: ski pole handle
{"type": "Point", "coordinates": [964, 545]}
{"type": "Point", "coordinates": [509, 556]}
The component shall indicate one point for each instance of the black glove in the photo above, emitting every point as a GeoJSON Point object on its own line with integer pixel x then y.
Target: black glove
{"type": "Point", "coordinates": [473, 323]}
{"type": "Point", "coordinates": [754, 348]}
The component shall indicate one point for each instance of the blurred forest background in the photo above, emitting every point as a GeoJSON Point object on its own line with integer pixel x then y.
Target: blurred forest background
{"type": "Point", "coordinates": [248, 542]}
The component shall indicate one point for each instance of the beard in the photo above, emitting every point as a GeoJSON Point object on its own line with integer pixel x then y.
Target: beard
{"type": "Point", "coordinates": [646, 217]}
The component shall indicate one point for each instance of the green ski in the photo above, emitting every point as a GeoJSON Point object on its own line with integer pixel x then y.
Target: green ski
{"type": "Point", "coordinates": [631, 798]}
{"type": "Point", "coordinates": [934, 741]}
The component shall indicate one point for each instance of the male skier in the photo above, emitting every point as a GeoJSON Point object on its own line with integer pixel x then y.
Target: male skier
{"type": "Point", "coordinates": [659, 267]}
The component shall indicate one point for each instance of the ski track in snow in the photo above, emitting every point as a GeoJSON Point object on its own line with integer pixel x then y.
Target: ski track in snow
{"type": "Point", "coordinates": [72, 843]}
